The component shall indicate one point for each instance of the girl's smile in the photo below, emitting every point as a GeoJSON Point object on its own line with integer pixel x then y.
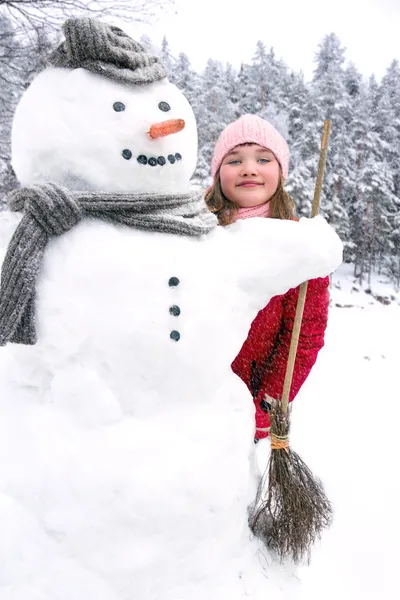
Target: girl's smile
{"type": "Point", "coordinates": [249, 184]}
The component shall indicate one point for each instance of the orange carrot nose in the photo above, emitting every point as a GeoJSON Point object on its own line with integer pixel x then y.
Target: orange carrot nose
{"type": "Point", "coordinates": [166, 128]}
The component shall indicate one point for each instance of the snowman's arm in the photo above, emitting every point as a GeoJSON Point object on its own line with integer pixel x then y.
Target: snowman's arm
{"type": "Point", "coordinates": [274, 255]}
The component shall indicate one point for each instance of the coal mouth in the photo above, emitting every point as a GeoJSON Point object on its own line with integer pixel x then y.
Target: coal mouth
{"type": "Point", "coordinates": [153, 161]}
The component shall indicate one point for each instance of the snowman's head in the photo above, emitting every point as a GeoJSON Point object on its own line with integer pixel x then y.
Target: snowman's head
{"type": "Point", "coordinates": [92, 132]}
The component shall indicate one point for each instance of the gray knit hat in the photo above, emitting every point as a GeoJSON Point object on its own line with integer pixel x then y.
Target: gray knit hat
{"type": "Point", "coordinates": [106, 50]}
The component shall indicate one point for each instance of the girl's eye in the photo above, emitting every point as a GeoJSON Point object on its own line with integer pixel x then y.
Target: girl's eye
{"type": "Point", "coordinates": [118, 106]}
{"type": "Point", "coordinates": [164, 106]}
{"type": "Point", "coordinates": [264, 160]}
{"type": "Point", "coordinates": [234, 162]}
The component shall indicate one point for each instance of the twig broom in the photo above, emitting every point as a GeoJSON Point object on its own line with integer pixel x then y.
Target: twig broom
{"type": "Point", "coordinates": [290, 514]}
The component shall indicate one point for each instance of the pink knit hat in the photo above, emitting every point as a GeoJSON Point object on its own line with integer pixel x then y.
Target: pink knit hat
{"type": "Point", "coordinates": [253, 129]}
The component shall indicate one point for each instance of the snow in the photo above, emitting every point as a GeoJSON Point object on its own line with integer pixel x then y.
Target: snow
{"type": "Point", "coordinates": [357, 453]}
{"type": "Point", "coordinates": [133, 451]}
{"type": "Point", "coordinates": [68, 490]}
{"type": "Point", "coordinates": [56, 460]}
{"type": "Point", "coordinates": [349, 292]}
{"type": "Point", "coordinates": [8, 222]}
{"type": "Point", "coordinates": [77, 138]}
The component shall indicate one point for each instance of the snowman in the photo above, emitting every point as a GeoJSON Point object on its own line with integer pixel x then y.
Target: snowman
{"type": "Point", "coordinates": [126, 442]}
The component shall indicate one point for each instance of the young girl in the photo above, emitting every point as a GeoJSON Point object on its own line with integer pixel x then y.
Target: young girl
{"type": "Point", "coordinates": [249, 168]}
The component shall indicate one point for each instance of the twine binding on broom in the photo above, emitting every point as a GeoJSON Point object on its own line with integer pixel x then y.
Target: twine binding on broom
{"type": "Point", "coordinates": [279, 442]}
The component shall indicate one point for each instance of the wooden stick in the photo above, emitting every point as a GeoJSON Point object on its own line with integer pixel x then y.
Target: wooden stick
{"type": "Point", "coordinates": [303, 287]}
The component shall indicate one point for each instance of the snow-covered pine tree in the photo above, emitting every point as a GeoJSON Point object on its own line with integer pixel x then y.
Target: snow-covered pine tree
{"type": "Point", "coordinates": [281, 81]}
{"type": "Point", "coordinates": [260, 85]}
{"type": "Point", "coordinates": [9, 92]}
{"type": "Point", "coordinates": [364, 141]}
{"type": "Point", "coordinates": [304, 136]}
{"type": "Point", "coordinates": [265, 88]}
{"type": "Point", "coordinates": [187, 80]}
{"type": "Point", "coordinates": [246, 96]}
{"type": "Point", "coordinates": [387, 126]}
{"type": "Point", "coordinates": [373, 207]}
{"type": "Point", "coordinates": [232, 89]}
{"type": "Point", "coordinates": [332, 99]}
{"type": "Point", "coordinates": [214, 112]}
{"type": "Point", "coordinates": [21, 57]}
{"type": "Point", "coordinates": [391, 86]}
{"type": "Point", "coordinates": [168, 60]}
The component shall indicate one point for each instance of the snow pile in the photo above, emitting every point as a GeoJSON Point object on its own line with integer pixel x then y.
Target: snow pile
{"type": "Point", "coordinates": [335, 428]}
{"type": "Point", "coordinates": [130, 451]}
{"type": "Point", "coordinates": [344, 423]}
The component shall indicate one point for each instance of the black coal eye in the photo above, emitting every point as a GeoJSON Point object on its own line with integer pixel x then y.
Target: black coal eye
{"type": "Point", "coordinates": [118, 106]}
{"type": "Point", "coordinates": [164, 106]}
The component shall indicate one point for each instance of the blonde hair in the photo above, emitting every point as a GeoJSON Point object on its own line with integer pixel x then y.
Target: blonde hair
{"type": "Point", "coordinates": [281, 204]}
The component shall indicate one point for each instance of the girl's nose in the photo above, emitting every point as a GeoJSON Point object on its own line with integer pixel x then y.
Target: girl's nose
{"type": "Point", "coordinates": [249, 167]}
{"type": "Point", "coordinates": [164, 128]}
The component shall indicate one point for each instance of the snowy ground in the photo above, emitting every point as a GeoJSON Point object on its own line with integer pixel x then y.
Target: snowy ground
{"type": "Point", "coordinates": [343, 425]}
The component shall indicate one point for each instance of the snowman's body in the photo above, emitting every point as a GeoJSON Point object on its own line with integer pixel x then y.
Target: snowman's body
{"type": "Point", "coordinates": [131, 439]}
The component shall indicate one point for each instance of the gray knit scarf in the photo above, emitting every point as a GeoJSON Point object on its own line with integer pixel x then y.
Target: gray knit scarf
{"type": "Point", "coordinates": [51, 210]}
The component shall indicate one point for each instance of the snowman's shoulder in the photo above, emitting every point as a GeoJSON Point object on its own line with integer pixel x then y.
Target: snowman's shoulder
{"type": "Point", "coordinates": [277, 229]}
{"type": "Point", "coordinates": [244, 236]}
{"type": "Point", "coordinates": [250, 231]}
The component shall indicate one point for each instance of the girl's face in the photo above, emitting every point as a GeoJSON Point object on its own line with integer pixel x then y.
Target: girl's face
{"type": "Point", "coordinates": [249, 175]}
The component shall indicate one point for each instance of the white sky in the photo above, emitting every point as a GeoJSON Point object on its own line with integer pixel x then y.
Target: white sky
{"type": "Point", "coordinates": [229, 29]}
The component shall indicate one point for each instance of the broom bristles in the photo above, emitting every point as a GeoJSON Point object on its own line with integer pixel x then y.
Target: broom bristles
{"type": "Point", "coordinates": [290, 514]}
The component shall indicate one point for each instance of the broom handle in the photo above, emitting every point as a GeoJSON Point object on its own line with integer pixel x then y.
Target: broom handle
{"type": "Point", "coordinates": [303, 287]}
